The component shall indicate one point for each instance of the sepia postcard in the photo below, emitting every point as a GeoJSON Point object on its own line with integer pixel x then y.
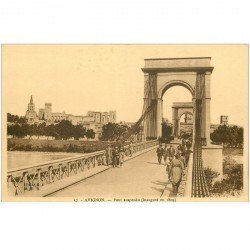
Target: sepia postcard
{"type": "Point", "coordinates": [125, 123]}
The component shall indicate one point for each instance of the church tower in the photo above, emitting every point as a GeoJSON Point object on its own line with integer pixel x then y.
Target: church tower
{"type": "Point", "coordinates": [31, 105]}
{"type": "Point", "coordinates": [31, 113]}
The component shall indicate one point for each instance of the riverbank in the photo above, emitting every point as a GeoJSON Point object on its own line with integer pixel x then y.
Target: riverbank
{"type": "Point", "coordinates": [67, 146]}
{"type": "Point", "coordinates": [18, 159]}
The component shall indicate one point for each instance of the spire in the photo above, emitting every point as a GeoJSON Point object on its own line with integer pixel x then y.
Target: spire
{"type": "Point", "coordinates": [31, 100]}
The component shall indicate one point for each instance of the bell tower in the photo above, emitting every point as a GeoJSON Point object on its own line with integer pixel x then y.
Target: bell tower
{"type": "Point", "coordinates": [31, 115]}
{"type": "Point", "coordinates": [31, 105]}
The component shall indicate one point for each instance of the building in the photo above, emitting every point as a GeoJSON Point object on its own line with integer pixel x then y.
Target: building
{"type": "Point", "coordinates": [58, 117]}
{"type": "Point", "coordinates": [103, 117]}
{"type": "Point", "coordinates": [223, 120]}
{"type": "Point", "coordinates": [129, 124]}
{"type": "Point", "coordinates": [186, 126]}
{"type": "Point", "coordinates": [93, 120]}
{"type": "Point", "coordinates": [91, 117]}
{"type": "Point", "coordinates": [31, 114]}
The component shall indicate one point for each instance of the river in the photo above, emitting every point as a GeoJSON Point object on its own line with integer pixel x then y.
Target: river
{"type": "Point", "coordinates": [19, 159]}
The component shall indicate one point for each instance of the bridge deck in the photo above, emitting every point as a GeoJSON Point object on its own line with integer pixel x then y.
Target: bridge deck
{"type": "Point", "coordinates": [140, 177]}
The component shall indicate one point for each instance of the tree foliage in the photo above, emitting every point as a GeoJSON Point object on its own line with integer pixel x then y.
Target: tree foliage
{"type": "Point", "coordinates": [17, 130]}
{"type": "Point", "coordinates": [114, 131]}
{"type": "Point", "coordinates": [232, 181]}
{"type": "Point", "coordinates": [166, 130]}
{"type": "Point", "coordinates": [233, 173]}
{"type": "Point", "coordinates": [228, 136]}
{"type": "Point", "coordinates": [90, 134]}
{"type": "Point", "coordinates": [16, 119]}
{"type": "Point", "coordinates": [210, 176]}
{"type": "Point", "coordinates": [63, 130]}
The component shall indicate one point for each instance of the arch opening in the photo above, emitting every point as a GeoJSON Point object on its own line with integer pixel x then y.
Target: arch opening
{"type": "Point", "coordinates": [175, 83]}
{"type": "Point", "coordinates": [176, 100]}
{"type": "Point", "coordinates": [186, 124]}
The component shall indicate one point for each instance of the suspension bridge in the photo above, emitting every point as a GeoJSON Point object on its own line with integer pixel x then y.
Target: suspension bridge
{"type": "Point", "coordinates": [141, 176]}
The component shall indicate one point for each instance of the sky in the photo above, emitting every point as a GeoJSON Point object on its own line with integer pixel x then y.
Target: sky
{"type": "Point", "coordinates": [79, 78]}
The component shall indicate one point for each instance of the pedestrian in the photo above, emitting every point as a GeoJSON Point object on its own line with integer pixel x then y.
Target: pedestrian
{"type": "Point", "coordinates": [108, 155]}
{"type": "Point", "coordinates": [130, 149]}
{"type": "Point", "coordinates": [165, 154]}
{"type": "Point", "coordinates": [171, 151]}
{"type": "Point", "coordinates": [187, 154]}
{"type": "Point", "coordinates": [121, 155]}
{"type": "Point", "coordinates": [189, 143]}
{"type": "Point", "coordinates": [182, 159]}
{"type": "Point", "coordinates": [179, 147]}
{"type": "Point", "coordinates": [176, 170]}
{"type": "Point", "coordinates": [178, 150]}
{"type": "Point", "coordinates": [159, 140]}
{"type": "Point", "coordinates": [168, 168]}
{"type": "Point", "coordinates": [159, 153]}
{"type": "Point", "coordinates": [184, 148]}
{"type": "Point", "coordinates": [115, 157]}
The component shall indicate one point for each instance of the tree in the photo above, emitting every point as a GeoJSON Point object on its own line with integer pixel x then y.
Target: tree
{"type": "Point", "coordinates": [228, 136]}
{"type": "Point", "coordinates": [22, 120]}
{"type": "Point", "coordinates": [10, 130]}
{"type": "Point", "coordinates": [16, 119]}
{"type": "Point", "coordinates": [233, 173]}
{"type": "Point", "coordinates": [41, 129]}
{"type": "Point", "coordinates": [17, 130]}
{"type": "Point", "coordinates": [113, 131]}
{"type": "Point", "coordinates": [166, 130]}
{"type": "Point", "coordinates": [49, 130]}
{"type": "Point", "coordinates": [210, 175]}
{"type": "Point", "coordinates": [232, 181]}
{"type": "Point", "coordinates": [79, 132]}
{"type": "Point", "coordinates": [240, 137]}
{"type": "Point", "coordinates": [31, 130]}
{"type": "Point", "coordinates": [64, 129]}
{"type": "Point", "coordinates": [90, 134]}
{"type": "Point", "coordinates": [108, 131]}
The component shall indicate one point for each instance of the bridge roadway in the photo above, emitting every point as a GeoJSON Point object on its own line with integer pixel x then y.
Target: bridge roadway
{"type": "Point", "coordinates": [140, 177]}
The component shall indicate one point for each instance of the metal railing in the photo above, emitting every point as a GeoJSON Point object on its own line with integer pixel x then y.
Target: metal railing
{"type": "Point", "coordinates": [35, 176]}
{"type": "Point", "coordinates": [182, 188]}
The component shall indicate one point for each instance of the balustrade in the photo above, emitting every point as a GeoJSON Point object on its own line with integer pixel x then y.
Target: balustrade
{"type": "Point", "coordinates": [34, 177]}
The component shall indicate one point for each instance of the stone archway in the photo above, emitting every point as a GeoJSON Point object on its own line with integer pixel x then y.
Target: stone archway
{"type": "Point", "coordinates": [178, 109]}
{"type": "Point", "coordinates": [160, 74]}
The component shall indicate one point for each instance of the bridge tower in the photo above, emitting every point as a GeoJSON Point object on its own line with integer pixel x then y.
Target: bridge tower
{"type": "Point", "coordinates": [194, 73]}
{"type": "Point", "coordinates": [160, 74]}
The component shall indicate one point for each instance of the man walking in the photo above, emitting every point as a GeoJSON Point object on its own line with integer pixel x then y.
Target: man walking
{"type": "Point", "coordinates": [171, 151]}
{"type": "Point", "coordinates": [115, 157]}
{"type": "Point", "coordinates": [175, 173]}
{"type": "Point", "coordinates": [130, 149]}
{"type": "Point", "coordinates": [187, 154]}
{"type": "Point", "coordinates": [168, 168]}
{"type": "Point", "coordinates": [165, 154]}
{"type": "Point", "coordinates": [159, 153]}
{"type": "Point", "coordinates": [182, 159]}
{"type": "Point", "coordinates": [121, 155]}
{"type": "Point", "coordinates": [108, 155]}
